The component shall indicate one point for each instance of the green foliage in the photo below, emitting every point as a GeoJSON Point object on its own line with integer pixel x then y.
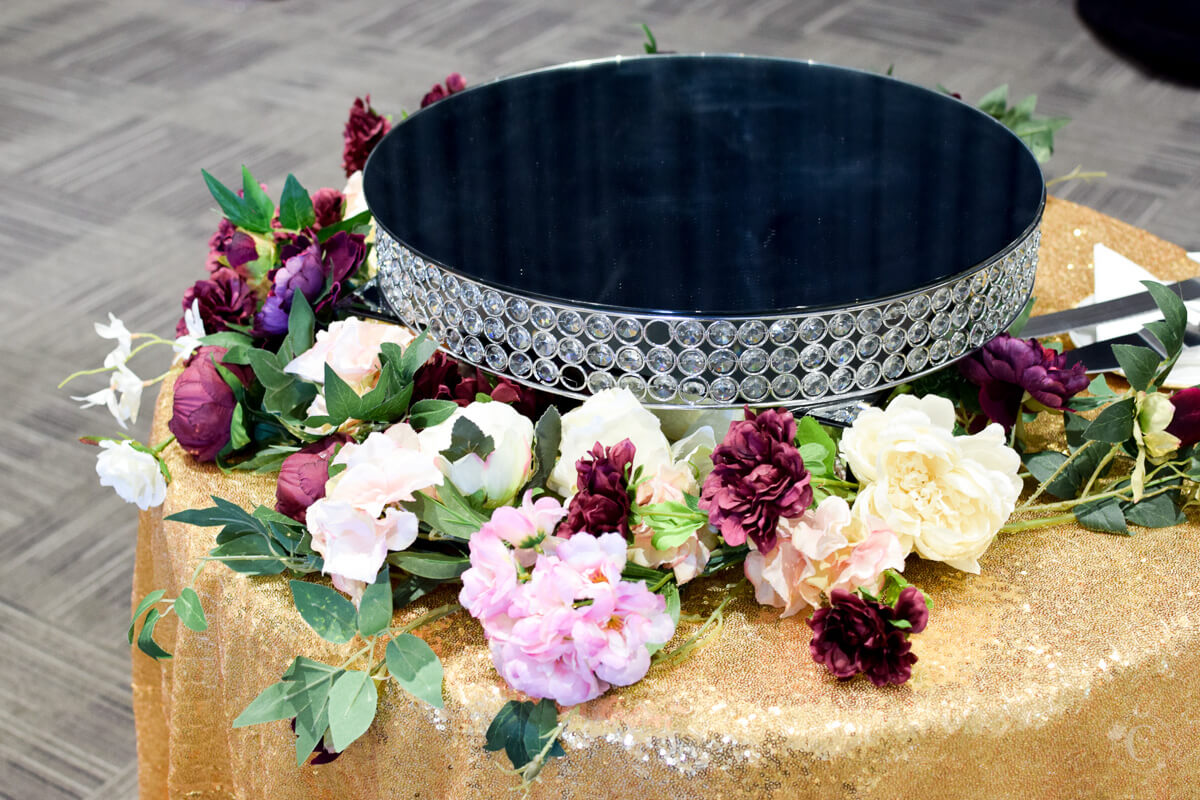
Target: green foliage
{"type": "Point", "coordinates": [1114, 424]}
{"type": "Point", "coordinates": [326, 611]}
{"type": "Point", "coordinates": [427, 413]}
{"type": "Point", "coordinates": [412, 587]}
{"type": "Point", "coordinates": [817, 447]}
{"type": "Point", "coordinates": [375, 608]}
{"type": "Point", "coordinates": [547, 436]}
{"type": "Point", "coordinates": [416, 668]}
{"type": "Point", "coordinates": [262, 543]}
{"type": "Point", "coordinates": [651, 44]}
{"type": "Point", "coordinates": [673, 523]}
{"type": "Point", "coordinates": [188, 609]}
{"type": "Point", "coordinates": [1036, 132]}
{"type": "Point", "coordinates": [1102, 395]}
{"type": "Point", "coordinates": [1156, 511]}
{"type": "Point", "coordinates": [295, 206]}
{"type": "Point", "coordinates": [436, 566]}
{"type": "Point", "coordinates": [670, 593]}
{"type": "Point", "coordinates": [465, 438]}
{"type": "Point", "coordinates": [1103, 515]}
{"type": "Point", "coordinates": [452, 516]}
{"type": "Point", "coordinates": [352, 703]}
{"type": "Point", "coordinates": [145, 639]}
{"type": "Point", "coordinates": [359, 223]}
{"type": "Point", "coordinates": [303, 693]}
{"type": "Point", "coordinates": [252, 211]}
{"type": "Point", "coordinates": [524, 730]}
{"type": "Point", "coordinates": [1139, 364]}
{"type": "Point", "coordinates": [388, 401]}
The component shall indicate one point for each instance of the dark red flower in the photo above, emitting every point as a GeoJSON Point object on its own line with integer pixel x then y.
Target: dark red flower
{"type": "Point", "coordinates": [241, 250]}
{"type": "Point", "coordinates": [302, 477]}
{"type": "Point", "coordinates": [202, 408]}
{"type": "Point", "coordinates": [1006, 368]}
{"type": "Point", "coordinates": [363, 131]}
{"type": "Point", "coordinates": [1185, 424]}
{"type": "Point", "coordinates": [854, 635]}
{"type": "Point", "coordinates": [602, 503]}
{"type": "Point", "coordinates": [443, 378]}
{"type": "Point", "coordinates": [758, 477]}
{"type": "Point", "coordinates": [218, 243]}
{"type": "Point", "coordinates": [454, 84]}
{"type": "Point", "coordinates": [328, 205]}
{"type": "Point", "coordinates": [224, 299]}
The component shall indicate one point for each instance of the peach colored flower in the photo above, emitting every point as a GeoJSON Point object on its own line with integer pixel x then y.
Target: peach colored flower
{"type": "Point", "coordinates": [351, 347]}
{"type": "Point", "coordinates": [669, 484]}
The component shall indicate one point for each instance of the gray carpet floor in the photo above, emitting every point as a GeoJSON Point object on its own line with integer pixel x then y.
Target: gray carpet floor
{"type": "Point", "coordinates": [109, 108]}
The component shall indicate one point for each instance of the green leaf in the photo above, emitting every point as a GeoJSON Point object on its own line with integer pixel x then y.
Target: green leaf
{"type": "Point", "coordinates": [416, 668]}
{"type": "Point", "coordinates": [1022, 319]}
{"type": "Point", "coordinates": [1114, 424]}
{"type": "Point", "coordinates": [670, 593]}
{"type": "Point", "coordinates": [277, 701]}
{"type": "Point", "coordinates": [410, 588]}
{"type": "Point", "coordinates": [375, 608]}
{"type": "Point", "coordinates": [1102, 395]}
{"type": "Point", "coordinates": [902, 624]}
{"type": "Point", "coordinates": [427, 413]}
{"type": "Point", "coordinates": [439, 566]}
{"type": "Point", "coordinates": [651, 44]}
{"type": "Point", "coordinates": [340, 399]}
{"type": "Point", "coordinates": [1138, 363]}
{"type": "Point", "coordinates": [147, 601]}
{"type": "Point", "coordinates": [817, 447]}
{"type": "Point", "coordinates": [232, 206]}
{"type": "Point", "coordinates": [412, 358]}
{"type": "Point", "coordinates": [996, 101]}
{"type": "Point", "coordinates": [384, 403]}
{"type": "Point", "coordinates": [256, 202]}
{"type": "Point", "coordinates": [250, 555]}
{"type": "Point", "coordinates": [1158, 511]}
{"type": "Point", "coordinates": [1103, 515]}
{"type": "Point", "coordinates": [1170, 329]}
{"type": "Point", "coordinates": [673, 523]}
{"type": "Point", "coordinates": [523, 729]}
{"type": "Point", "coordinates": [352, 703]}
{"type": "Point", "coordinates": [145, 639]}
{"type": "Point", "coordinates": [547, 436]}
{"type": "Point", "coordinates": [189, 610]}
{"type": "Point", "coordinates": [452, 516]}
{"type": "Point", "coordinates": [465, 438]}
{"type": "Point", "coordinates": [295, 206]}
{"type": "Point", "coordinates": [326, 611]}
{"type": "Point", "coordinates": [237, 428]}
{"type": "Point", "coordinates": [226, 339]}
{"type": "Point", "coordinates": [357, 224]}
{"type": "Point", "coordinates": [300, 336]}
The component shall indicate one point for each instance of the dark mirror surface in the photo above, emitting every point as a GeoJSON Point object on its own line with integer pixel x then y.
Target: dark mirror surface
{"type": "Point", "coordinates": [704, 184]}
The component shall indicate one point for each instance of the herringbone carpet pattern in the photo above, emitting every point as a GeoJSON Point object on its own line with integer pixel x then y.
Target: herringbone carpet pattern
{"type": "Point", "coordinates": [109, 108]}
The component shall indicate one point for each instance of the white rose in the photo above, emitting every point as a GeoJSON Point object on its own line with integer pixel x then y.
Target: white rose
{"type": "Point", "coordinates": [506, 469]}
{"type": "Point", "coordinates": [134, 474]}
{"type": "Point", "coordinates": [354, 543]}
{"type": "Point", "coordinates": [608, 417]}
{"type": "Point", "coordinates": [943, 495]}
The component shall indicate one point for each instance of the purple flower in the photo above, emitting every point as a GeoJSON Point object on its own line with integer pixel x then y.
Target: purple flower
{"type": "Point", "coordinates": [758, 478]}
{"type": "Point", "coordinates": [307, 267]}
{"type": "Point", "coordinates": [302, 477]}
{"type": "Point", "coordinates": [202, 408]}
{"type": "Point", "coordinates": [602, 503]}
{"type": "Point", "coordinates": [454, 84]}
{"type": "Point", "coordinates": [856, 635]}
{"type": "Point", "coordinates": [328, 205]}
{"type": "Point", "coordinates": [224, 299]}
{"type": "Point", "coordinates": [363, 131]}
{"type": "Point", "coordinates": [1006, 368]}
{"type": "Point", "coordinates": [1185, 424]}
{"type": "Point", "coordinates": [218, 243]}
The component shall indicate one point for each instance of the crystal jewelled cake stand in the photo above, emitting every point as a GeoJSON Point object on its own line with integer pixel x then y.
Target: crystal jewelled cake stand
{"type": "Point", "coordinates": [705, 230]}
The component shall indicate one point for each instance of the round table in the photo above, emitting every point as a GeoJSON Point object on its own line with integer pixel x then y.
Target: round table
{"type": "Point", "coordinates": [1069, 668]}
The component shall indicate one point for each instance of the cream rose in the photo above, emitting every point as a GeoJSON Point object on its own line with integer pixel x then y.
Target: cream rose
{"type": "Point", "coordinates": [351, 347]}
{"type": "Point", "coordinates": [943, 495]}
{"type": "Point", "coordinates": [506, 469]}
{"type": "Point", "coordinates": [608, 417]}
{"type": "Point", "coordinates": [133, 473]}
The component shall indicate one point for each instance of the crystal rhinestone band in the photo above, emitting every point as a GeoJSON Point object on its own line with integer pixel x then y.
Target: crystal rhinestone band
{"type": "Point", "coordinates": [815, 358]}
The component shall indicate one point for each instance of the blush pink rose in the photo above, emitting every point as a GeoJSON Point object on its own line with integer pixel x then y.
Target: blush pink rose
{"type": "Point", "coordinates": [386, 468]}
{"type": "Point", "coordinates": [351, 347]}
{"type": "Point", "coordinates": [669, 484]}
{"type": "Point", "coordinates": [354, 544]}
{"type": "Point", "coordinates": [489, 585]}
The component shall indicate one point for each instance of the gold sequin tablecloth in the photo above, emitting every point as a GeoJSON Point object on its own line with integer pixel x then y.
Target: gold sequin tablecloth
{"type": "Point", "coordinates": [1069, 669]}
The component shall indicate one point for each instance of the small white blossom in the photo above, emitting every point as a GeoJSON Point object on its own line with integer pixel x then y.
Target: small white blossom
{"type": "Point", "coordinates": [115, 329]}
{"type": "Point", "coordinates": [188, 343]}
{"type": "Point", "coordinates": [123, 397]}
{"type": "Point", "coordinates": [133, 473]}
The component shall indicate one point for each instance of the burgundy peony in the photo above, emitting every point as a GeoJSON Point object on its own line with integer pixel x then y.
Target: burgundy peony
{"type": "Point", "coordinates": [307, 267]}
{"type": "Point", "coordinates": [302, 477]}
{"type": "Point", "coordinates": [758, 477]}
{"type": "Point", "coordinates": [454, 84]}
{"type": "Point", "coordinates": [203, 404]}
{"type": "Point", "coordinates": [1185, 424]}
{"type": "Point", "coordinates": [225, 299]}
{"type": "Point", "coordinates": [855, 635]}
{"type": "Point", "coordinates": [1006, 368]}
{"type": "Point", "coordinates": [218, 243]}
{"type": "Point", "coordinates": [602, 503]}
{"type": "Point", "coordinates": [443, 378]}
{"type": "Point", "coordinates": [363, 131]}
{"type": "Point", "coordinates": [328, 205]}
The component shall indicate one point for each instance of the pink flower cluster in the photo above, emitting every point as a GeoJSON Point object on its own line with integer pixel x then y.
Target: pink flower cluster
{"type": "Point", "coordinates": [570, 627]}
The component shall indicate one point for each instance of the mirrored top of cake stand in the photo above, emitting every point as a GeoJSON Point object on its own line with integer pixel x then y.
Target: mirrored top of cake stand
{"type": "Point", "coordinates": [705, 229]}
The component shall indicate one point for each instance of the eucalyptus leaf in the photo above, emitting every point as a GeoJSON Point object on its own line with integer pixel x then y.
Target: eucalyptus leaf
{"type": "Point", "coordinates": [375, 607]}
{"type": "Point", "coordinates": [523, 729]}
{"type": "Point", "coordinates": [1138, 363]}
{"type": "Point", "coordinates": [277, 701]}
{"type": "Point", "coordinates": [326, 611]}
{"type": "Point", "coordinates": [145, 638]}
{"type": "Point", "coordinates": [438, 566]}
{"type": "Point", "coordinates": [1114, 424]}
{"type": "Point", "coordinates": [142, 607]}
{"type": "Point", "coordinates": [416, 668]}
{"type": "Point", "coordinates": [189, 610]}
{"type": "Point", "coordinates": [352, 703]}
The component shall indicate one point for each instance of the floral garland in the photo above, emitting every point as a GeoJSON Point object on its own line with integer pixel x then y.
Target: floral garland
{"type": "Point", "coordinates": [400, 470]}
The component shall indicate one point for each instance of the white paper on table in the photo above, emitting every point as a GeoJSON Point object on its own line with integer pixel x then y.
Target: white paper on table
{"type": "Point", "coordinates": [1117, 276]}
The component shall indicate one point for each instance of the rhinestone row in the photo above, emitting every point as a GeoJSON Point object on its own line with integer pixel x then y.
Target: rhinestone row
{"type": "Point", "coordinates": [802, 359]}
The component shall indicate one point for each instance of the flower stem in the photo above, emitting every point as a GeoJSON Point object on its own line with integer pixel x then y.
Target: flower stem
{"type": "Point", "coordinates": [428, 617]}
{"type": "Point", "coordinates": [166, 443]}
{"type": "Point", "coordinates": [1035, 524]}
{"type": "Point", "coordinates": [1042, 486]}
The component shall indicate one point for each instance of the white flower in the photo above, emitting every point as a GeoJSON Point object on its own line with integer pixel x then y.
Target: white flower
{"type": "Point", "coordinates": [356, 200]}
{"type": "Point", "coordinates": [115, 329]}
{"type": "Point", "coordinates": [123, 397]}
{"type": "Point", "coordinates": [944, 495]}
{"type": "Point", "coordinates": [188, 343]}
{"type": "Point", "coordinates": [133, 473]}
{"type": "Point", "coordinates": [506, 469]}
{"type": "Point", "coordinates": [608, 417]}
{"type": "Point", "coordinates": [351, 347]}
{"type": "Point", "coordinates": [354, 544]}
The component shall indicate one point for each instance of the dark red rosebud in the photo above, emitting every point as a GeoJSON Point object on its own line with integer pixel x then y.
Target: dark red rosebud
{"type": "Point", "coordinates": [363, 131]}
{"type": "Point", "coordinates": [328, 205]}
{"type": "Point", "coordinates": [224, 299]}
{"type": "Point", "coordinates": [1006, 368]}
{"type": "Point", "coordinates": [433, 95]}
{"type": "Point", "coordinates": [455, 83]}
{"type": "Point", "coordinates": [602, 503]}
{"type": "Point", "coordinates": [1185, 424]}
{"type": "Point", "coordinates": [202, 408]}
{"type": "Point", "coordinates": [302, 477]}
{"type": "Point", "coordinates": [758, 478]}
